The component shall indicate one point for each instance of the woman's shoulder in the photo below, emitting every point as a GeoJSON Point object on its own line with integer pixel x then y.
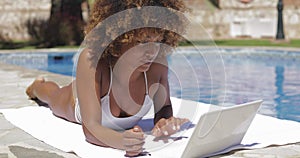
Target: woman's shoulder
{"type": "Point", "coordinates": [102, 66]}
{"type": "Point", "coordinates": [158, 68]}
{"type": "Point", "coordinates": [160, 64]}
{"type": "Point", "coordinates": [88, 56]}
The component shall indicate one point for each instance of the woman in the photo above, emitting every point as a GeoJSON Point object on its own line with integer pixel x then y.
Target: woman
{"type": "Point", "coordinates": [129, 78]}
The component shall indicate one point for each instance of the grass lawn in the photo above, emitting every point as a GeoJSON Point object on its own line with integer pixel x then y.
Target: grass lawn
{"type": "Point", "coordinates": [246, 42]}
{"type": "Point", "coordinates": [24, 45]}
{"type": "Point", "coordinates": [227, 42]}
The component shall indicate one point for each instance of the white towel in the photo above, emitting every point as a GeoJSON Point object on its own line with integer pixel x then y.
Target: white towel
{"type": "Point", "coordinates": [42, 124]}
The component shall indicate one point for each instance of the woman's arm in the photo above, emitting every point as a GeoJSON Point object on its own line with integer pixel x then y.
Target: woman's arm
{"type": "Point", "coordinates": [162, 102]}
{"type": "Point", "coordinates": [165, 123]}
{"type": "Point", "coordinates": [91, 112]}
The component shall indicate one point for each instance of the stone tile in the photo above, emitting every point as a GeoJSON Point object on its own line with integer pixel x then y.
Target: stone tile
{"type": "Point", "coordinates": [285, 151]}
{"type": "Point", "coordinates": [40, 146]}
{"type": "Point", "coordinates": [4, 155]}
{"type": "Point", "coordinates": [14, 135]}
{"type": "Point", "coordinates": [22, 152]}
{"type": "Point", "coordinates": [20, 143]}
{"type": "Point", "coordinates": [271, 152]}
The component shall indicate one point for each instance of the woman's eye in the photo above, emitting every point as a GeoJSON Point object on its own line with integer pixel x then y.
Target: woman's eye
{"type": "Point", "coordinates": [142, 42]}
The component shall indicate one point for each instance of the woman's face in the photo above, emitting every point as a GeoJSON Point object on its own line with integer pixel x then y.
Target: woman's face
{"type": "Point", "coordinates": [141, 56]}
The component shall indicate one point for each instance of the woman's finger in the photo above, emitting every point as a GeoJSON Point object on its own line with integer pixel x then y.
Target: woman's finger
{"type": "Point", "coordinates": [156, 131]}
{"type": "Point", "coordinates": [132, 141]}
{"type": "Point", "coordinates": [132, 134]}
{"type": "Point", "coordinates": [166, 127]}
{"type": "Point", "coordinates": [172, 122]}
{"type": "Point", "coordinates": [183, 121]}
{"type": "Point", "coordinates": [169, 128]}
{"type": "Point", "coordinates": [137, 129]}
{"type": "Point", "coordinates": [178, 124]}
{"type": "Point", "coordinates": [133, 153]}
{"type": "Point", "coordinates": [135, 148]}
{"type": "Point", "coordinates": [161, 122]}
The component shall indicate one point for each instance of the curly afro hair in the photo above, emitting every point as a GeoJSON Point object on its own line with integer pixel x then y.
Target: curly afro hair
{"type": "Point", "coordinates": [111, 22]}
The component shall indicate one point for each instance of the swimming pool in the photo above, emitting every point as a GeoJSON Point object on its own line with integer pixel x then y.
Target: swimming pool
{"type": "Point", "coordinates": [56, 62]}
{"type": "Point", "coordinates": [271, 75]}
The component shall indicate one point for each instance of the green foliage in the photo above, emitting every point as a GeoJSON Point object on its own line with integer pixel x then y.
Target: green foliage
{"type": "Point", "coordinates": [7, 43]}
{"type": "Point", "coordinates": [37, 30]}
{"type": "Point", "coordinates": [47, 34]}
{"type": "Point", "coordinates": [244, 43]}
{"type": "Point", "coordinates": [215, 3]}
{"type": "Point", "coordinates": [64, 27]}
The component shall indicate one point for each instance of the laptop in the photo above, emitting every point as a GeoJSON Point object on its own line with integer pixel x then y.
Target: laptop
{"type": "Point", "coordinates": [220, 129]}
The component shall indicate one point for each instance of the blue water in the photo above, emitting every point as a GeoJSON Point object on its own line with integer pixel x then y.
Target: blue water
{"type": "Point", "coordinates": [241, 75]}
{"type": "Point", "coordinates": [61, 63]}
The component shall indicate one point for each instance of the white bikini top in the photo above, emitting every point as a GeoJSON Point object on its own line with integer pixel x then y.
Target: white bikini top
{"type": "Point", "coordinates": [110, 121]}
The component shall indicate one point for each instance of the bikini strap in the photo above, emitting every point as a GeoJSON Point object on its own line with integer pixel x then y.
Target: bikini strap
{"type": "Point", "coordinates": [110, 83]}
{"type": "Point", "coordinates": [146, 83]}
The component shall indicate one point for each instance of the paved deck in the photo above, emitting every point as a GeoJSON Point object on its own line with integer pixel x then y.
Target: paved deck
{"type": "Point", "coordinates": [15, 143]}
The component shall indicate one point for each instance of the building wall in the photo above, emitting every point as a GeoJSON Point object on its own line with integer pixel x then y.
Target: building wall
{"type": "Point", "coordinates": [230, 19]}
{"type": "Point", "coordinates": [233, 19]}
{"type": "Point", "coordinates": [15, 13]}
{"type": "Point", "coordinates": [292, 18]}
{"type": "Point", "coordinates": [256, 19]}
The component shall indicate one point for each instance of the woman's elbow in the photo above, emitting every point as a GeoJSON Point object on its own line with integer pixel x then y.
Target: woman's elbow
{"type": "Point", "coordinates": [90, 138]}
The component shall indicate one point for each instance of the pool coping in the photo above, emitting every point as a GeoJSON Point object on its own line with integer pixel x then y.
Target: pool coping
{"type": "Point", "coordinates": [64, 50]}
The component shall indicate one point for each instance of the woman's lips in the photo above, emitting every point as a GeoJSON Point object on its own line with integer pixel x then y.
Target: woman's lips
{"type": "Point", "coordinates": [150, 60]}
{"type": "Point", "coordinates": [148, 63]}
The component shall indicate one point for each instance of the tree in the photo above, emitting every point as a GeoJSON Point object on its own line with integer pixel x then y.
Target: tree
{"type": "Point", "coordinates": [65, 26]}
{"type": "Point", "coordinates": [215, 3]}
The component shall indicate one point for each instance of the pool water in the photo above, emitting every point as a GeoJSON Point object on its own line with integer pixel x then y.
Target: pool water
{"type": "Point", "coordinates": [61, 63]}
{"type": "Point", "coordinates": [246, 75]}
{"type": "Point", "coordinates": [273, 76]}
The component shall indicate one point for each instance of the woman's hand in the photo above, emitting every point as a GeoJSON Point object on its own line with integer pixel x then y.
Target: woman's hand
{"type": "Point", "coordinates": [167, 127]}
{"type": "Point", "coordinates": [133, 141]}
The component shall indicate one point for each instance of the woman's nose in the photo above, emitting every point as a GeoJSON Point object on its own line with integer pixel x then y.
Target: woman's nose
{"type": "Point", "coordinates": [153, 46]}
{"type": "Point", "coordinates": [150, 54]}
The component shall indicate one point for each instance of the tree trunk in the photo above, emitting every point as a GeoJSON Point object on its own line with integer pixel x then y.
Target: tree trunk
{"type": "Point", "coordinates": [66, 23]}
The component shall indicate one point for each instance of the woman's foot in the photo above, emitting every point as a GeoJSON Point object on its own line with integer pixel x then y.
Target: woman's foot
{"type": "Point", "coordinates": [29, 90]}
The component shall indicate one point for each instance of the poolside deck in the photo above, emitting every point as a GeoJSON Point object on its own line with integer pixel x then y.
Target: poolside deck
{"type": "Point", "coordinates": [16, 143]}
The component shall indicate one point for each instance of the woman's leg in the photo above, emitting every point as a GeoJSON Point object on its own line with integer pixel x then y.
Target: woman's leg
{"type": "Point", "coordinates": [60, 100]}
